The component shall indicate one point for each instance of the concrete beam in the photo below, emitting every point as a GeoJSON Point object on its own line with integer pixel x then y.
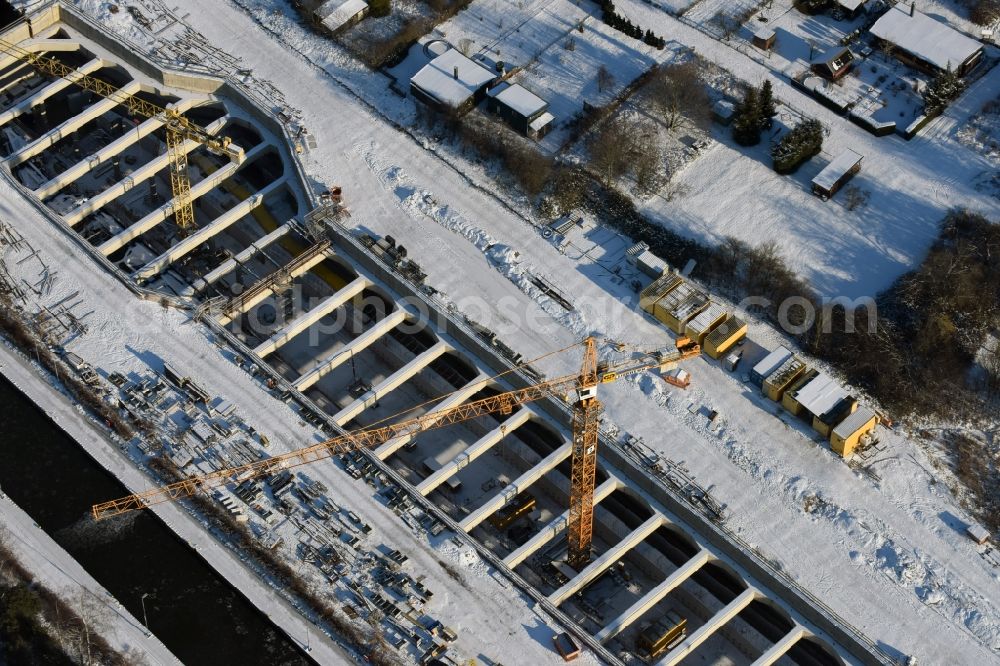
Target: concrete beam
{"type": "Point", "coordinates": [69, 126]}
{"type": "Point", "coordinates": [653, 597]}
{"type": "Point", "coordinates": [705, 631]}
{"type": "Point", "coordinates": [307, 319]}
{"type": "Point", "coordinates": [40, 46]}
{"type": "Point", "coordinates": [140, 175]}
{"type": "Point", "coordinates": [391, 383]}
{"type": "Point", "coordinates": [520, 484]}
{"type": "Point", "coordinates": [256, 300]}
{"type": "Point", "coordinates": [598, 566]}
{"type": "Point", "coordinates": [48, 91]}
{"type": "Point", "coordinates": [116, 147]}
{"type": "Point", "coordinates": [363, 341]}
{"type": "Point", "coordinates": [230, 264]}
{"type": "Point", "coordinates": [161, 213]}
{"type": "Point", "coordinates": [453, 400]}
{"type": "Point", "coordinates": [189, 243]}
{"type": "Point", "coordinates": [485, 443]}
{"type": "Point", "coordinates": [779, 649]}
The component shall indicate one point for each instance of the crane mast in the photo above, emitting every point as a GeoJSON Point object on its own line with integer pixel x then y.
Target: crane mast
{"type": "Point", "coordinates": [582, 391]}
{"type": "Point", "coordinates": [178, 128]}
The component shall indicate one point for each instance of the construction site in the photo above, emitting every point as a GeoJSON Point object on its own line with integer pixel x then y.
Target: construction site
{"type": "Point", "coordinates": [188, 189]}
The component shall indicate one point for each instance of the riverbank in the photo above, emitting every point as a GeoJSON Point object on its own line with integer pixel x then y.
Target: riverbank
{"type": "Point", "coordinates": [51, 566]}
{"type": "Point", "coordinates": [94, 440]}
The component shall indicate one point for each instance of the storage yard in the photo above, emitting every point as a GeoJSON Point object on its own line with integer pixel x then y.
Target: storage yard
{"type": "Point", "coordinates": [284, 293]}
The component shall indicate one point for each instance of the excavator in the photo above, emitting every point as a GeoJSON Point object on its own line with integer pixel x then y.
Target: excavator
{"type": "Point", "coordinates": [580, 389]}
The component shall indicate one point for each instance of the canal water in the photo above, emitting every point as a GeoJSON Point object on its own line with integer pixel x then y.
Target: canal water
{"type": "Point", "coordinates": [194, 612]}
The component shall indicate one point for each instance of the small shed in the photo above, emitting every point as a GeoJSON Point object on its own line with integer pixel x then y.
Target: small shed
{"type": "Point", "coordinates": [851, 8]}
{"type": "Point", "coordinates": [768, 364]}
{"type": "Point", "coordinates": [650, 264]}
{"type": "Point", "coordinates": [724, 111]}
{"type": "Point", "coordinates": [836, 173]}
{"type": "Point", "coordinates": [519, 107]}
{"type": "Point", "coordinates": [764, 38]}
{"type": "Point", "coordinates": [845, 437]}
{"type": "Point", "coordinates": [698, 328]}
{"type": "Point", "coordinates": [335, 15]}
{"type": "Point", "coordinates": [977, 533]}
{"type": "Point", "coordinates": [451, 81]}
{"type": "Point", "coordinates": [778, 381]}
{"type": "Point", "coordinates": [725, 336]}
{"type": "Point", "coordinates": [834, 64]}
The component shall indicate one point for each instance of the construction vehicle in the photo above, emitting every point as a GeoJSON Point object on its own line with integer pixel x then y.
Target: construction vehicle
{"type": "Point", "coordinates": [581, 389]}
{"type": "Point", "coordinates": [662, 635]}
{"type": "Point", "coordinates": [178, 128]}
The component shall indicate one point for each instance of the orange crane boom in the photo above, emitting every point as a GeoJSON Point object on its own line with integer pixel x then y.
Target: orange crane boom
{"type": "Point", "coordinates": [584, 450]}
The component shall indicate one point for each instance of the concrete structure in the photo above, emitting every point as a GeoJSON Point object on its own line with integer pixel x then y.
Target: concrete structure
{"type": "Point", "coordinates": [451, 81]}
{"type": "Point", "coordinates": [926, 43]}
{"type": "Point", "coordinates": [598, 566]}
{"type": "Point", "coordinates": [836, 173]}
{"type": "Point", "coordinates": [725, 336]}
{"type": "Point", "coordinates": [653, 597]}
{"type": "Point", "coordinates": [731, 610]}
{"type": "Point", "coordinates": [310, 317]}
{"type": "Point", "coordinates": [334, 360]}
{"type": "Point", "coordinates": [848, 433]}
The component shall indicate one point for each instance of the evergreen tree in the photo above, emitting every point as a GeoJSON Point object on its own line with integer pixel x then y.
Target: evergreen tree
{"type": "Point", "coordinates": [942, 89]}
{"type": "Point", "coordinates": [746, 122]}
{"type": "Point", "coordinates": [767, 107]}
{"type": "Point", "coordinates": [800, 144]}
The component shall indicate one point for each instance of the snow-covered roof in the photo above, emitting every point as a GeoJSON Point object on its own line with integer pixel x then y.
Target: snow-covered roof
{"type": "Point", "coordinates": [835, 170]}
{"type": "Point", "coordinates": [920, 35]}
{"type": "Point", "coordinates": [770, 363]}
{"type": "Point", "coordinates": [518, 98]}
{"type": "Point", "coordinates": [821, 394]}
{"type": "Point", "coordinates": [541, 121]}
{"type": "Point", "coordinates": [764, 33]}
{"type": "Point", "coordinates": [707, 317]}
{"type": "Point", "coordinates": [438, 78]}
{"type": "Point", "coordinates": [333, 14]}
{"type": "Point", "coordinates": [851, 5]}
{"type": "Point", "coordinates": [854, 422]}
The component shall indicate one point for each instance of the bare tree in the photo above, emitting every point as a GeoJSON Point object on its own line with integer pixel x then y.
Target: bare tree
{"type": "Point", "coordinates": [679, 98]}
{"type": "Point", "coordinates": [611, 150]}
{"type": "Point", "coordinates": [605, 79]}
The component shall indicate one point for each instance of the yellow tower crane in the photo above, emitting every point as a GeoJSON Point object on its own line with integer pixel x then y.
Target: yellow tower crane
{"type": "Point", "coordinates": [581, 389]}
{"type": "Point", "coordinates": [178, 128]}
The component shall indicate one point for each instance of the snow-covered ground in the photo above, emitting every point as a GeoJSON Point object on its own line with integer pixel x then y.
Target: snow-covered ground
{"type": "Point", "coordinates": [130, 336]}
{"type": "Point", "coordinates": [56, 569]}
{"type": "Point", "coordinates": [873, 549]}
{"type": "Point", "coordinates": [877, 548]}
